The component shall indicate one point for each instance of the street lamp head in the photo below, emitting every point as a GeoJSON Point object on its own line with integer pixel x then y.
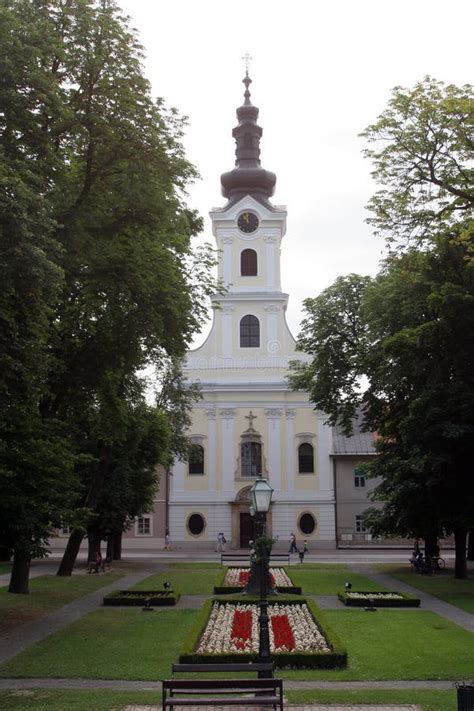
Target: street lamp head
{"type": "Point", "coordinates": [252, 510]}
{"type": "Point", "coordinates": [261, 495]}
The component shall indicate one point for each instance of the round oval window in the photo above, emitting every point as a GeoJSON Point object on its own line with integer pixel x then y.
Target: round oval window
{"type": "Point", "coordinates": [307, 523]}
{"type": "Point", "coordinates": [196, 524]}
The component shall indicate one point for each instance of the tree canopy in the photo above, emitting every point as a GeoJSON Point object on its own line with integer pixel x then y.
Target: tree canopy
{"type": "Point", "coordinates": [400, 346]}
{"type": "Point", "coordinates": [101, 279]}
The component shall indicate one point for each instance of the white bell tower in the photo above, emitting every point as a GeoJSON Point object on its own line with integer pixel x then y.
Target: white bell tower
{"type": "Point", "coordinates": [242, 370]}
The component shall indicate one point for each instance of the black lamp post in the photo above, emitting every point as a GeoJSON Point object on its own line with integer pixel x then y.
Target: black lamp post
{"type": "Point", "coordinates": [261, 497]}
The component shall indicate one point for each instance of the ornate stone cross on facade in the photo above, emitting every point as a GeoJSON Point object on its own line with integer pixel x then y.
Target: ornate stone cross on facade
{"type": "Point", "coordinates": [251, 417]}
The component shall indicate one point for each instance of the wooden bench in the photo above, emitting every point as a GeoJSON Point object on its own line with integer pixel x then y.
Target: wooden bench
{"type": "Point", "coordinates": [222, 692]}
{"type": "Point", "coordinates": [245, 558]}
{"type": "Point", "coordinates": [247, 667]}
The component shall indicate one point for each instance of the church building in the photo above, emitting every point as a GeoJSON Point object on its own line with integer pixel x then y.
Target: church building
{"type": "Point", "coordinates": [249, 421]}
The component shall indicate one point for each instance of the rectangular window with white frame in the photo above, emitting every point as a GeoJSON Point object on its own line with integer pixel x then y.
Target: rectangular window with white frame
{"type": "Point", "coordinates": [359, 477]}
{"type": "Point", "coordinates": [359, 524]}
{"type": "Point", "coordinates": [143, 526]}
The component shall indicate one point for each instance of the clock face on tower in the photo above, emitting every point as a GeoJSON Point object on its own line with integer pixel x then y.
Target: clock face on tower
{"type": "Point", "coordinates": [247, 222]}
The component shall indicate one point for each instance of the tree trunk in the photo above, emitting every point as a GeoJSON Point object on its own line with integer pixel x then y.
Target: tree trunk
{"type": "Point", "coordinates": [460, 565]}
{"type": "Point", "coordinates": [110, 546]}
{"type": "Point", "coordinates": [70, 554]}
{"type": "Point", "coordinates": [20, 575]}
{"type": "Point", "coordinates": [75, 539]}
{"type": "Point", "coordinates": [431, 545]}
{"type": "Point", "coordinates": [470, 545]}
{"type": "Point", "coordinates": [93, 547]}
{"type": "Point", "coordinates": [117, 545]}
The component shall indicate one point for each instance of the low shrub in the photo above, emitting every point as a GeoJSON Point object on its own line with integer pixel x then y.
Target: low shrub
{"type": "Point", "coordinates": [130, 598]}
{"type": "Point", "coordinates": [362, 598]}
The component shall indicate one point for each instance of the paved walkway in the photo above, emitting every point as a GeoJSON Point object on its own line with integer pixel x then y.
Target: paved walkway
{"type": "Point", "coordinates": [295, 707]}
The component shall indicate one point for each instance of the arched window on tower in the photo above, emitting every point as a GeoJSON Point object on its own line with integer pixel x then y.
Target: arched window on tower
{"type": "Point", "coordinates": [249, 332]}
{"type": "Point", "coordinates": [305, 458]}
{"type": "Point", "coordinates": [248, 262]}
{"type": "Point", "coordinates": [196, 459]}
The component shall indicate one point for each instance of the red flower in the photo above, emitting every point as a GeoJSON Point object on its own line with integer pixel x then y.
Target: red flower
{"type": "Point", "coordinates": [282, 632]}
{"type": "Point", "coordinates": [243, 578]}
{"type": "Point", "coordinates": [241, 628]}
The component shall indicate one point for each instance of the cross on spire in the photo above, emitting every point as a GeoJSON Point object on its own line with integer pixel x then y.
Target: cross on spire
{"type": "Point", "coordinates": [251, 417]}
{"type": "Point", "coordinates": [247, 60]}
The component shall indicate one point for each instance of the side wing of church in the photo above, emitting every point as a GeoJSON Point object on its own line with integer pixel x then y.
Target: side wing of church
{"type": "Point", "coordinates": [249, 421]}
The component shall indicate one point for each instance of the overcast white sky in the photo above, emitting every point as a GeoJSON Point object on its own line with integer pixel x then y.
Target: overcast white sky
{"type": "Point", "coordinates": [322, 71]}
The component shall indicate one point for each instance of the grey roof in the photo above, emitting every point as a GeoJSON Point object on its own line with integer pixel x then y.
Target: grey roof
{"type": "Point", "coordinates": [358, 443]}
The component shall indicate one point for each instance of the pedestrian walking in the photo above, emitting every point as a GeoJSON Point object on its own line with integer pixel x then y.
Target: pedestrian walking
{"type": "Point", "coordinates": [221, 541]}
{"type": "Point", "coordinates": [167, 541]}
{"type": "Point", "coordinates": [302, 552]}
{"type": "Point", "coordinates": [293, 548]}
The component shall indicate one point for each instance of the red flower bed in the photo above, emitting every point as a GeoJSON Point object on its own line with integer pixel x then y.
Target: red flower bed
{"type": "Point", "coordinates": [245, 575]}
{"type": "Point", "coordinates": [241, 628]}
{"type": "Point", "coordinates": [282, 632]}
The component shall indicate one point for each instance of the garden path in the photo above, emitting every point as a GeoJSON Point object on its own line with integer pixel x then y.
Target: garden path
{"type": "Point", "coordinates": [428, 602]}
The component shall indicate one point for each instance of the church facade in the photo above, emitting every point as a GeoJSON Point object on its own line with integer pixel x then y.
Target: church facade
{"type": "Point", "coordinates": [249, 421]}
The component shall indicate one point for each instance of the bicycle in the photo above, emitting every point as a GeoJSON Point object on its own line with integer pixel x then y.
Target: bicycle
{"type": "Point", "coordinates": [438, 562]}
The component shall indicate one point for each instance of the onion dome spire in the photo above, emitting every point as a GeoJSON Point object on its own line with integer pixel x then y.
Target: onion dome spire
{"type": "Point", "coordinates": [248, 177]}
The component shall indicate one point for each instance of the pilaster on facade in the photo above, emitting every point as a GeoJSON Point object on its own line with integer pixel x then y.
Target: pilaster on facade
{"type": "Point", "coordinates": [290, 415]}
{"type": "Point", "coordinates": [273, 416]}
{"type": "Point", "coordinates": [228, 444]}
{"type": "Point", "coordinates": [212, 448]}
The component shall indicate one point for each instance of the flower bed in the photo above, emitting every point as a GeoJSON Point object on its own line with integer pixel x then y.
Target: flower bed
{"type": "Point", "coordinates": [142, 598]}
{"type": "Point", "coordinates": [235, 580]}
{"type": "Point", "coordinates": [229, 632]}
{"type": "Point", "coordinates": [354, 598]}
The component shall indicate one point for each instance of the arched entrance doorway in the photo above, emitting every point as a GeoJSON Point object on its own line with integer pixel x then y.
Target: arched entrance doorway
{"type": "Point", "coordinates": [242, 521]}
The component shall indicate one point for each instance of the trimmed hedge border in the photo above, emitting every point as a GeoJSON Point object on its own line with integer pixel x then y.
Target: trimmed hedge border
{"type": "Point", "coordinates": [221, 589]}
{"type": "Point", "coordinates": [337, 658]}
{"type": "Point", "coordinates": [405, 601]}
{"type": "Point", "coordinates": [138, 598]}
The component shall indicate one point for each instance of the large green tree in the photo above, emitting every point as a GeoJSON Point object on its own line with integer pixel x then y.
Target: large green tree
{"type": "Point", "coordinates": [401, 346]}
{"type": "Point", "coordinates": [101, 173]}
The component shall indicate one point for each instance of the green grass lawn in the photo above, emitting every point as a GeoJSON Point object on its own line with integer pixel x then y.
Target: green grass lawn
{"type": "Point", "coordinates": [186, 582]}
{"type": "Point", "coordinates": [108, 644]}
{"type": "Point", "coordinates": [202, 565]}
{"type": "Point", "coordinates": [387, 644]}
{"type": "Point", "coordinates": [58, 700]}
{"type": "Point", "coordinates": [427, 700]}
{"type": "Point", "coordinates": [328, 579]}
{"type": "Point", "coordinates": [442, 585]}
{"type": "Point", "coordinates": [5, 568]}
{"type": "Point", "coordinates": [47, 593]}
{"type": "Point", "coordinates": [397, 644]}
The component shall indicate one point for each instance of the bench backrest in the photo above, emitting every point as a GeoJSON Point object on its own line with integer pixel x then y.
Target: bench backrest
{"type": "Point", "coordinates": [227, 684]}
{"type": "Point", "coordinates": [227, 668]}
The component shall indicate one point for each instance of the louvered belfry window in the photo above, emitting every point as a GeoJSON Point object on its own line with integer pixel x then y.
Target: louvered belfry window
{"type": "Point", "coordinates": [248, 262]}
